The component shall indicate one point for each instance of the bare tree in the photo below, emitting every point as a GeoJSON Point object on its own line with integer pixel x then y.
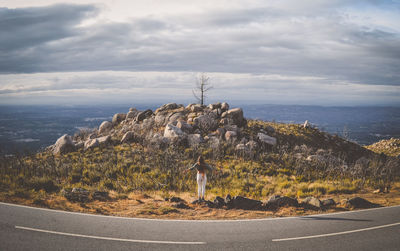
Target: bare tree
{"type": "Point", "coordinates": [202, 86]}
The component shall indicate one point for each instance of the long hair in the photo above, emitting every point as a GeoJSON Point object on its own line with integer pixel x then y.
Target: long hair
{"type": "Point", "coordinates": [200, 160]}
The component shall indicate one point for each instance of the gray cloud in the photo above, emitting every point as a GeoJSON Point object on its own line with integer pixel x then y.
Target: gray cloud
{"type": "Point", "coordinates": [310, 40]}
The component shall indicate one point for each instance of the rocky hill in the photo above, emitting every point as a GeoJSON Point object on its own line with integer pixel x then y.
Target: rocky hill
{"type": "Point", "coordinates": [261, 165]}
{"type": "Point", "coordinates": [213, 125]}
{"type": "Point", "coordinates": [390, 147]}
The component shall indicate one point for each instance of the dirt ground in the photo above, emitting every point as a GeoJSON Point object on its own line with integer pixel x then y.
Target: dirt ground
{"type": "Point", "coordinates": [153, 205]}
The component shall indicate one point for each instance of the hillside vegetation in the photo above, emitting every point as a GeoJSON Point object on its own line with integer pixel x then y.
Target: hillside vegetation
{"type": "Point", "coordinates": [147, 151]}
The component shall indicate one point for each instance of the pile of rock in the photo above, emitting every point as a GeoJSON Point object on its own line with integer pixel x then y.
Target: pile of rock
{"type": "Point", "coordinates": [273, 203]}
{"type": "Point", "coordinates": [189, 126]}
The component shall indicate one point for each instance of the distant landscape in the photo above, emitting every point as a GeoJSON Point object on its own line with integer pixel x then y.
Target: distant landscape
{"type": "Point", "coordinates": [31, 128]}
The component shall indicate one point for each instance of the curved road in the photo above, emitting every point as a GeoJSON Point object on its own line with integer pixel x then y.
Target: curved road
{"type": "Point", "coordinates": [27, 228]}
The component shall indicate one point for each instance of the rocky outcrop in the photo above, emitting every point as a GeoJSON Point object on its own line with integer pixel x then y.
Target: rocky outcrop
{"type": "Point", "coordinates": [63, 145]}
{"type": "Point", "coordinates": [390, 147]}
{"type": "Point", "coordinates": [105, 127]}
{"type": "Point", "coordinates": [191, 126]}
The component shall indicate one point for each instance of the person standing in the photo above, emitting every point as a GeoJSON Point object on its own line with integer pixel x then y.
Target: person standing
{"type": "Point", "coordinates": [202, 169]}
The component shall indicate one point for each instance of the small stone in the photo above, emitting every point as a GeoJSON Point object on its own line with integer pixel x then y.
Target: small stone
{"type": "Point", "coordinates": [266, 139]}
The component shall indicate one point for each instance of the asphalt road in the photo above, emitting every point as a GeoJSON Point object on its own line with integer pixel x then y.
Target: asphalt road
{"type": "Point", "coordinates": [27, 228]}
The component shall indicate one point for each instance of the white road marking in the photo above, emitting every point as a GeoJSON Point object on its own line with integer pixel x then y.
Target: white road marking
{"type": "Point", "coordinates": [200, 221]}
{"type": "Point", "coordinates": [110, 238]}
{"type": "Point", "coordinates": [338, 233]}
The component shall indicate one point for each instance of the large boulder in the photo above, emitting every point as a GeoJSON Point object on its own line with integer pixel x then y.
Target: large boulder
{"type": "Point", "coordinates": [128, 137]}
{"type": "Point", "coordinates": [187, 128]}
{"type": "Point", "coordinates": [105, 140]}
{"type": "Point", "coordinates": [118, 118]}
{"type": "Point", "coordinates": [358, 202]}
{"type": "Point", "coordinates": [213, 142]}
{"type": "Point", "coordinates": [143, 115]}
{"type": "Point", "coordinates": [105, 126]}
{"type": "Point", "coordinates": [161, 118]}
{"type": "Point", "coordinates": [312, 202]}
{"type": "Point", "coordinates": [194, 139]}
{"type": "Point", "coordinates": [169, 106]}
{"type": "Point", "coordinates": [206, 122]}
{"type": "Point", "coordinates": [196, 108]}
{"type": "Point", "coordinates": [241, 148]}
{"type": "Point", "coordinates": [240, 202]}
{"type": "Point", "coordinates": [63, 145]}
{"type": "Point", "coordinates": [224, 106]}
{"type": "Point", "coordinates": [220, 132]}
{"type": "Point", "coordinates": [236, 116]}
{"type": "Point", "coordinates": [147, 124]}
{"type": "Point", "coordinates": [175, 117]}
{"type": "Point", "coordinates": [219, 202]}
{"type": "Point", "coordinates": [131, 114]}
{"type": "Point", "coordinates": [230, 136]}
{"type": "Point", "coordinates": [172, 131]}
{"type": "Point", "coordinates": [158, 141]}
{"type": "Point", "coordinates": [252, 145]}
{"type": "Point", "coordinates": [214, 106]}
{"type": "Point", "coordinates": [266, 139]}
{"type": "Point", "coordinates": [79, 145]}
{"type": "Point", "coordinates": [276, 201]}
{"type": "Point", "coordinates": [90, 144]}
{"type": "Point", "coordinates": [328, 203]}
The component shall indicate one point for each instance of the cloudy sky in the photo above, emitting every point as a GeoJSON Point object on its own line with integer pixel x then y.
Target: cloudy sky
{"type": "Point", "coordinates": [333, 52]}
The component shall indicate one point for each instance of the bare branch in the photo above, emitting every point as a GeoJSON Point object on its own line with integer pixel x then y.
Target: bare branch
{"type": "Point", "coordinates": [202, 86]}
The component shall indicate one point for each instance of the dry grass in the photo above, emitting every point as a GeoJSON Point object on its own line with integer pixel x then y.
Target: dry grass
{"type": "Point", "coordinates": [153, 205]}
